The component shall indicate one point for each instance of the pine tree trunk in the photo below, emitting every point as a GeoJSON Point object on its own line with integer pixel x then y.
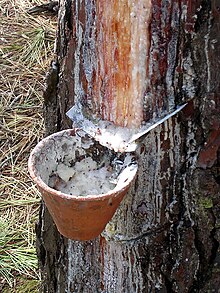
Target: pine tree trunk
{"type": "Point", "coordinates": [165, 235]}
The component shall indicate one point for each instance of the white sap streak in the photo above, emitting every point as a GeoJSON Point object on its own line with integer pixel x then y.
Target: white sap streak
{"type": "Point", "coordinates": [172, 53]}
{"type": "Point", "coordinates": [122, 268]}
{"type": "Point", "coordinates": [75, 270]}
{"type": "Point", "coordinates": [188, 77]}
{"type": "Point", "coordinates": [156, 180]}
{"type": "Point", "coordinates": [109, 278]}
{"type": "Point", "coordinates": [166, 130]}
{"type": "Point", "coordinates": [150, 180]}
{"type": "Point", "coordinates": [70, 257]}
{"type": "Point", "coordinates": [191, 161]}
{"type": "Point", "coordinates": [177, 142]}
{"type": "Point", "coordinates": [155, 280]}
{"type": "Point", "coordinates": [207, 39]}
{"type": "Point", "coordinates": [58, 280]}
{"type": "Point", "coordinates": [79, 33]}
{"type": "Point", "coordinates": [172, 128]}
{"type": "Point", "coordinates": [137, 274]}
{"type": "Point", "coordinates": [150, 127]}
{"type": "Point", "coordinates": [172, 144]}
{"type": "Point", "coordinates": [193, 150]}
{"type": "Point", "coordinates": [184, 13]}
{"type": "Point", "coordinates": [42, 217]}
{"type": "Point", "coordinates": [175, 138]}
{"type": "Point", "coordinates": [89, 43]}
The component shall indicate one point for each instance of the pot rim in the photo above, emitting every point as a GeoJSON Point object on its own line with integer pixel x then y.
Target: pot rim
{"type": "Point", "coordinates": [40, 183]}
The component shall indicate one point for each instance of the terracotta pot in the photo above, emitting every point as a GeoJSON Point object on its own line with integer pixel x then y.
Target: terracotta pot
{"type": "Point", "coordinates": [52, 166]}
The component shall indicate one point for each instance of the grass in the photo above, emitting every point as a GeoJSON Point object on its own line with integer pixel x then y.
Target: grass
{"type": "Point", "coordinates": [26, 49]}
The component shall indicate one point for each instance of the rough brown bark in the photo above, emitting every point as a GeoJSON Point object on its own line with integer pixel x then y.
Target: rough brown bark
{"type": "Point", "coordinates": [165, 236]}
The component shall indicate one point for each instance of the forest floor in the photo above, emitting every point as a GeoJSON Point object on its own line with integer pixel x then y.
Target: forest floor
{"type": "Point", "coordinates": [26, 49]}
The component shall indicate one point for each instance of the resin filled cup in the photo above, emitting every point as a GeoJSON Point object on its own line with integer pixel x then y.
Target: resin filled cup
{"type": "Point", "coordinates": [81, 181]}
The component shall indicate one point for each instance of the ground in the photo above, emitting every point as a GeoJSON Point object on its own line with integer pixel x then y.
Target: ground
{"type": "Point", "coordinates": [26, 49]}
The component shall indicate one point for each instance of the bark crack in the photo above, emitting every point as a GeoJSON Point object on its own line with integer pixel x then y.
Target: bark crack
{"type": "Point", "coordinates": [151, 232]}
{"type": "Point", "coordinates": [204, 272]}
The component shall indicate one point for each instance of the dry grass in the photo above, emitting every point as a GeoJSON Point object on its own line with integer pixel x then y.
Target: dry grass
{"type": "Point", "coordinates": [26, 47]}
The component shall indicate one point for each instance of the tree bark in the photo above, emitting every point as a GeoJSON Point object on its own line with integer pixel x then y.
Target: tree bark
{"type": "Point", "coordinates": [165, 235]}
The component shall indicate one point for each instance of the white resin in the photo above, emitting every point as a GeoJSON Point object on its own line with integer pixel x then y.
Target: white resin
{"type": "Point", "coordinates": [65, 172]}
{"type": "Point", "coordinates": [85, 178]}
{"type": "Point", "coordinates": [119, 139]}
{"type": "Point", "coordinates": [73, 163]}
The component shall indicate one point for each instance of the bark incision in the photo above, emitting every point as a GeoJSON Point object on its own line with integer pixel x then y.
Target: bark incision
{"type": "Point", "coordinates": [165, 235]}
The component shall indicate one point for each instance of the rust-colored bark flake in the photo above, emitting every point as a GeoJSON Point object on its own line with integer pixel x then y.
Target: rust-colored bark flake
{"type": "Point", "coordinates": [123, 44]}
{"type": "Point", "coordinates": [208, 155]}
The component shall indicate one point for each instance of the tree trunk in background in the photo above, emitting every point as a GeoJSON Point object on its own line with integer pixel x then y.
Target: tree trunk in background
{"type": "Point", "coordinates": [165, 236]}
